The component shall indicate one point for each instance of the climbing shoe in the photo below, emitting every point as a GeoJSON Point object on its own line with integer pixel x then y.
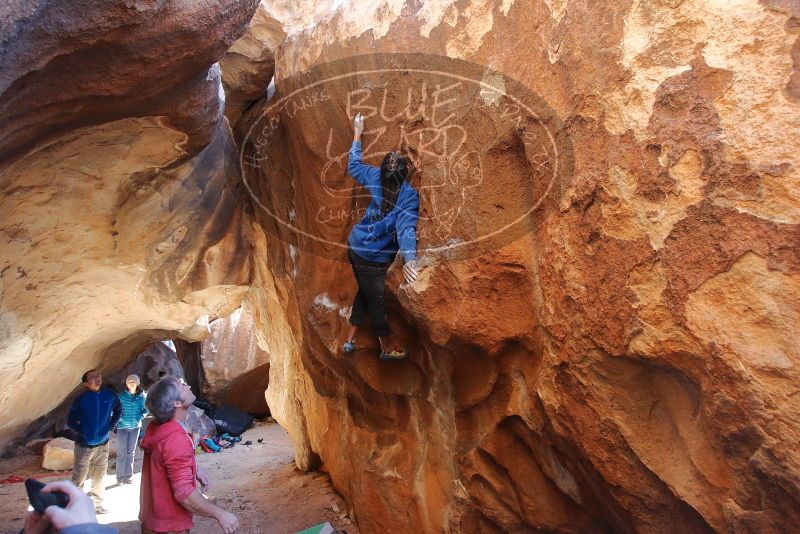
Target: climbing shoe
{"type": "Point", "coordinates": [349, 346]}
{"type": "Point", "coordinates": [393, 355]}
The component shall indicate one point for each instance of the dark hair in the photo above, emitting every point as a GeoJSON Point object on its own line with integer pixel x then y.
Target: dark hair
{"type": "Point", "coordinates": [161, 399]}
{"type": "Point", "coordinates": [83, 378]}
{"type": "Point", "coordinates": [394, 171]}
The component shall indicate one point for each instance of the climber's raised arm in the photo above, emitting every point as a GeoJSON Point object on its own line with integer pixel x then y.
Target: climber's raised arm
{"type": "Point", "coordinates": [361, 172]}
{"type": "Point", "coordinates": [358, 127]}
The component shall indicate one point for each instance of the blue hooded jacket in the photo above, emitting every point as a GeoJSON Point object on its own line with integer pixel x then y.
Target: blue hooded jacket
{"type": "Point", "coordinates": [377, 238]}
{"type": "Point", "coordinates": [93, 415]}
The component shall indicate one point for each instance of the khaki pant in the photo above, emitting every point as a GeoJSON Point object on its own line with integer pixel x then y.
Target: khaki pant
{"type": "Point", "coordinates": [91, 462]}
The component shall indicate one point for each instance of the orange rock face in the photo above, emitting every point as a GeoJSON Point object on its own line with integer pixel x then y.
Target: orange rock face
{"type": "Point", "coordinates": [602, 333]}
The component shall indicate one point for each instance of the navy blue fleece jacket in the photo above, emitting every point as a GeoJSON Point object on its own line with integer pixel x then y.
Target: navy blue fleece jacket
{"type": "Point", "coordinates": [93, 415]}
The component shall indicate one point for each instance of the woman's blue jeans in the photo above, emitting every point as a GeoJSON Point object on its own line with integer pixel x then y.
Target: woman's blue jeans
{"type": "Point", "coordinates": [126, 442]}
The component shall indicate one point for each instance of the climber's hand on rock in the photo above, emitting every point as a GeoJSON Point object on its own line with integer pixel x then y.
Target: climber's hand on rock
{"type": "Point", "coordinates": [410, 271]}
{"type": "Point", "coordinates": [358, 125]}
{"type": "Point", "coordinates": [79, 510]}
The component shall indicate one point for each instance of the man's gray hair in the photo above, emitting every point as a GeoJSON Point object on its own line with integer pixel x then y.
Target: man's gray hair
{"type": "Point", "coordinates": [161, 398]}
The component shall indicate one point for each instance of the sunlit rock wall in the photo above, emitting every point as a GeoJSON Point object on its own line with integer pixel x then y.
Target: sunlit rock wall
{"type": "Point", "coordinates": [235, 368]}
{"type": "Point", "coordinates": [118, 216]}
{"type": "Point", "coordinates": [623, 356]}
{"type": "Point", "coordinates": [248, 65]}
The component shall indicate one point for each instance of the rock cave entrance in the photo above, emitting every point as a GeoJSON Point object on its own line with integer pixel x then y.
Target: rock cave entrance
{"type": "Point", "coordinates": [225, 368]}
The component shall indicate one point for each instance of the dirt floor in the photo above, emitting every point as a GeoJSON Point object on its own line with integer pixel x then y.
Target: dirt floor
{"type": "Point", "coordinates": [259, 483]}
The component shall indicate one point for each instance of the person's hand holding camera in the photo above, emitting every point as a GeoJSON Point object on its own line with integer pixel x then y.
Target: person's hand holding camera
{"type": "Point", "coordinates": [79, 511]}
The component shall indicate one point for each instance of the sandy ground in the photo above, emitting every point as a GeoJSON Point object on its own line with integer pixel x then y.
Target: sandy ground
{"type": "Point", "coordinates": [259, 483]}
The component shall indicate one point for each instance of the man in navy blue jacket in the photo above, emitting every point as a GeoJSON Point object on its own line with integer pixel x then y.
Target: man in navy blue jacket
{"type": "Point", "coordinates": [93, 415]}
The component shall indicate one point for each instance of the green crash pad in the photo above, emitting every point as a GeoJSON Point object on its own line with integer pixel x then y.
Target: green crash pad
{"type": "Point", "coordinates": [322, 528]}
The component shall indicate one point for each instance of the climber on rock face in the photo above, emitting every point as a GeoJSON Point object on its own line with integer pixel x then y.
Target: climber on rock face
{"type": "Point", "coordinates": [388, 225]}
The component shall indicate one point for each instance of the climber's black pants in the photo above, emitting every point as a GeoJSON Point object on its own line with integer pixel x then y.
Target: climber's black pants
{"type": "Point", "coordinates": [371, 295]}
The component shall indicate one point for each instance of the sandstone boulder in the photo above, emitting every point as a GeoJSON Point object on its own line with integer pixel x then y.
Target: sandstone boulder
{"type": "Point", "coordinates": [247, 67]}
{"type": "Point", "coordinates": [598, 339]}
{"type": "Point", "coordinates": [200, 424]}
{"type": "Point", "coordinates": [149, 364]}
{"type": "Point", "coordinates": [235, 367]}
{"type": "Point", "coordinates": [601, 338]}
{"type": "Point", "coordinates": [59, 454]}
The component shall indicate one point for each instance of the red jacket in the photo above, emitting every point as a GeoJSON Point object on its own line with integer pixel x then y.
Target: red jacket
{"type": "Point", "coordinates": [168, 476]}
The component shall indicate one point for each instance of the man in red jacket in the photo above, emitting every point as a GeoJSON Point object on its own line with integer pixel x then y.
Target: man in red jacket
{"type": "Point", "coordinates": [169, 494]}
